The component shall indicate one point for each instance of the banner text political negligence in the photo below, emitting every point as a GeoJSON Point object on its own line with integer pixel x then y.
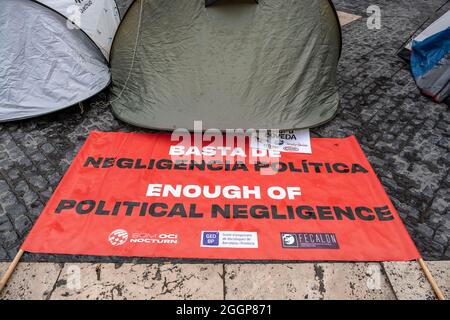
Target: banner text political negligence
{"type": "Point", "coordinates": [225, 211]}
{"type": "Point", "coordinates": [236, 211]}
{"type": "Point", "coordinates": [189, 193]}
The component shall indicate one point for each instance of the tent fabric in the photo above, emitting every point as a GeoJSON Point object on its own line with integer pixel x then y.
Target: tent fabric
{"type": "Point", "coordinates": [45, 66]}
{"type": "Point", "coordinates": [430, 60]}
{"type": "Point", "coordinates": [437, 26]}
{"type": "Point", "coordinates": [98, 19]}
{"type": "Point", "coordinates": [123, 6]}
{"type": "Point", "coordinates": [234, 65]}
{"type": "Point", "coordinates": [211, 2]}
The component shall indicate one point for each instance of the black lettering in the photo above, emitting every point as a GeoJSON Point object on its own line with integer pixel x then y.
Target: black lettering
{"type": "Point", "coordinates": [317, 166]}
{"type": "Point", "coordinates": [384, 214]}
{"type": "Point", "coordinates": [306, 213]}
{"type": "Point", "coordinates": [151, 164]}
{"type": "Point", "coordinates": [347, 212]}
{"type": "Point", "coordinates": [198, 165]}
{"type": "Point", "coordinates": [139, 165]}
{"type": "Point", "coordinates": [341, 168]}
{"type": "Point", "coordinates": [101, 209]}
{"type": "Point", "coordinates": [325, 213]}
{"type": "Point", "coordinates": [180, 165]}
{"type": "Point", "coordinates": [215, 165]}
{"type": "Point", "coordinates": [291, 213]}
{"type": "Point", "coordinates": [143, 211]}
{"type": "Point", "coordinates": [359, 211]}
{"type": "Point", "coordinates": [259, 212]}
{"type": "Point", "coordinates": [224, 212]}
{"type": "Point", "coordinates": [65, 205]}
{"type": "Point", "coordinates": [240, 212]}
{"type": "Point", "coordinates": [275, 214]}
{"type": "Point", "coordinates": [261, 165]}
{"type": "Point", "coordinates": [125, 163]}
{"type": "Point", "coordinates": [130, 207]}
{"type": "Point", "coordinates": [108, 163]}
{"type": "Point", "coordinates": [85, 207]}
{"type": "Point", "coordinates": [292, 168]}
{"type": "Point", "coordinates": [164, 164]}
{"type": "Point", "coordinates": [279, 167]}
{"type": "Point", "coordinates": [158, 213]}
{"type": "Point", "coordinates": [240, 166]}
{"type": "Point", "coordinates": [116, 208]}
{"type": "Point", "coordinates": [94, 162]}
{"type": "Point", "coordinates": [178, 210]}
{"type": "Point", "coordinates": [359, 168]}
{"type": "Point", "coordinates": [193, 212]}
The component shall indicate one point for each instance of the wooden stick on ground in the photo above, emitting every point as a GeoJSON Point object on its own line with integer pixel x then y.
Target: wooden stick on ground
{"type": "Point", "coordinates": [11, 269]}
{"type": "Point", "coordinates": [431, 280]}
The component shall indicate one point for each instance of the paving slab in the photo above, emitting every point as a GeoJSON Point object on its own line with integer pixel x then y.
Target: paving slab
{"type": "Point", "coordinates": [138, 281]}
{"type": "Point", "coordinates": [409, 282]}
{"type": "Point", "coordinates": [30, 281]}
{"type": "Point", "coordinates": [362, 281]}
{"type": "Point", "coordinates": [270, 281]}
{"type": "Point", "coordinates": [295, 281]}
{"type": "Point", "coordinates": [307, 281]}
{"type": "Point", "coordinates": [114, 282]}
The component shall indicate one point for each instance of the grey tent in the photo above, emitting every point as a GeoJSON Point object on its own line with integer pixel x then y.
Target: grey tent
{"type": "Point", "coordinates": [48, 62]}
{"type": "Point", "coordinates": [234, 64]}
{"type": "Point", "coordinates": [229, 63]}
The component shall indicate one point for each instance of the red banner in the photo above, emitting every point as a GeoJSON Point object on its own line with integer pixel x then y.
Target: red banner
{"type": "Point", "coordinates": [126, 195]}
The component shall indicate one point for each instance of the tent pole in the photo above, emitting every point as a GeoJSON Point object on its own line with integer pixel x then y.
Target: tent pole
{"type": "Point", "coordinates": [431, 280]}
{"type": "Point", "coordinates": [11, 269]}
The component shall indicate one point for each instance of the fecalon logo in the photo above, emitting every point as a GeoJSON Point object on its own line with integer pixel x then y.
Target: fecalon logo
{"type": "Point", "coordinates": [118, 237]}
{"type": "Point", "coordinates": [289, 240]}
{"type": "Point", "coordinates": [309, 241]}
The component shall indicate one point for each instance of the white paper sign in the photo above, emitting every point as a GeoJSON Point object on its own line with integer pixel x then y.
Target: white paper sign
{"type": "Point", "coordinates": [296, 141]}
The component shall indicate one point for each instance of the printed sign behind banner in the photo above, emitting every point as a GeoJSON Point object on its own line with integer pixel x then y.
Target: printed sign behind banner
{"type": "Point", "coordinates": [297, 141]}
{"type": "Point", "coordinates": [128, 195]}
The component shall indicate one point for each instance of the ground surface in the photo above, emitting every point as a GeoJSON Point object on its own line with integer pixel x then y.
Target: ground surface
{"type": "Point", "coordinates": [293, 281]}
{"type": "Point", "coordinates": [406, 136]}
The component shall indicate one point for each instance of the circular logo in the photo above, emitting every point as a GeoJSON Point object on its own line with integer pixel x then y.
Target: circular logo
{"type": "Point", "coordinates": [288, 239]}
{"type": "Point", "coordinates": [118, 237]}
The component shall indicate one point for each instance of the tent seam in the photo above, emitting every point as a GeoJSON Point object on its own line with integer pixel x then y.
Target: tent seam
{"type": "Point", "coordinates": [134, 55]}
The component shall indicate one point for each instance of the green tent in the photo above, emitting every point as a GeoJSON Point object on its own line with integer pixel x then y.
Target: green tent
{"type": "Point", "coordinates": [232, 64]}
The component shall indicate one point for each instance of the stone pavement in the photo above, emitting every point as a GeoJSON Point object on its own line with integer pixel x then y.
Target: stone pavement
{"type": "Point", "coordinates": [405, 135]}
{"type": "Point", "coordinates": [371, 281]}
